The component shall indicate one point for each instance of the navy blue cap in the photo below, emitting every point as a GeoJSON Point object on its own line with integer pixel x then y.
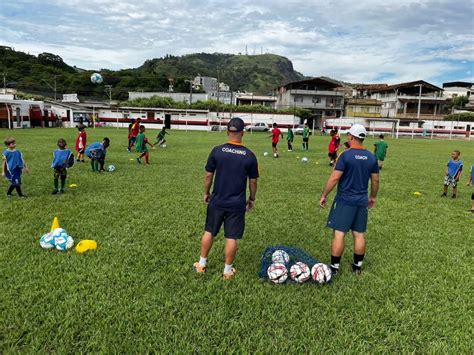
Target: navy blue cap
{"type": "Point", "coordinates": [236, 125]}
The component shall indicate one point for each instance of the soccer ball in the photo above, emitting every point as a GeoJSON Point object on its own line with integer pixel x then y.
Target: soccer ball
{"type": "Point", "coordinates": [321, 273]}
{"type": "Point", "coordinates": [47, 241]}
{"type": "Point", "coordinates": [275, 155]}
{"type": "Point", "coordinates": [280, 256]}
{"type": "Point", "coordinates": [304, 160]}
{"type": "Point", "coordinates": [277, 273]}
{"type": "Point", "coordinates": [265, 154]}
{"type": "Point", "coordinates": [111, 168]}
{"type": "Point", "coordinates": [96, 78]}
{"type": "Point", "coordinates": [300, 272]}
{"type": "Point", "coordinates": [64, 243]}
{"type": "Point", "coordinates": [163, 146]}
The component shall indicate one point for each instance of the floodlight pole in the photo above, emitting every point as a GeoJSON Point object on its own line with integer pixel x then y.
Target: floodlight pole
{"type": "Point", "coordinates": [54, 88]}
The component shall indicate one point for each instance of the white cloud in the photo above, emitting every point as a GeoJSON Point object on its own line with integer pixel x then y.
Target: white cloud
{"type": "Point", "coordinates": [371, 40]}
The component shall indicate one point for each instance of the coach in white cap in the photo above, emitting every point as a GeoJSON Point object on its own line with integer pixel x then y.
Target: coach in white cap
{"type": "Point", "coordinates": [349, 211]}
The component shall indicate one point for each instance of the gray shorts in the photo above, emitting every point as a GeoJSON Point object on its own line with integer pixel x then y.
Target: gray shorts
{"type": "Point", "coordinates": [450, 181]}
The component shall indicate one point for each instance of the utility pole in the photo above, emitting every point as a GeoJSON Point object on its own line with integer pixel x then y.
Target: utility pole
{"type": "Point", "coordinates": [4, 83]}
{"type": "Point", "coordinates": [190, 92]}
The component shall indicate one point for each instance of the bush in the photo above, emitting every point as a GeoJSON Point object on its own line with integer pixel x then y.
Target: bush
{"type": "Point", "coordinates": [464, 116]}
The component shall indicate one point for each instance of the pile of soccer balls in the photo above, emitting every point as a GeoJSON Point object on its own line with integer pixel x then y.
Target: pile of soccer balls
{"type": "Point", "coordinates": [58, 238]}
{"type": "Point", "coordinates": [299, 272]}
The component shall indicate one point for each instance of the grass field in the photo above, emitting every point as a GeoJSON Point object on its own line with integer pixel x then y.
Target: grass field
{"type": "Point", "coordinates": [137, 291]}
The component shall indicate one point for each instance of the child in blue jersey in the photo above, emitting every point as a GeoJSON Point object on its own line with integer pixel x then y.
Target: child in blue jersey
{"type": "Point", "coordinates": [97, 152]}
{"type": "Point", "coordinates": [12, 167]}
{"type": "Point", "coordinates": [470, 181]}
{"type": "Point", "coordinates": [453, 173]}
{"type": "Point", "coordinates": [62, 159]}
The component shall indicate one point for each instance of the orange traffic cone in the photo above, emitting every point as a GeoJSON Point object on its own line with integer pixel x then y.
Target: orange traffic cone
{"type": "Point", "coordinates": [55, 224]}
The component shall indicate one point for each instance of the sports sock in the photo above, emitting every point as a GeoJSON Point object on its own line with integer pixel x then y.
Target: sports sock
{"type": "Point", "coordinates": [203, 261]}
{"type": "Point", "coordinates": [335, 261]}
{"type": "Point", "coordinates": [92, 165]}
{"type": "Point", "coordinates": [63, 182]}
{"type": "Point", "coordinates": [56, 181]}
{"type": "Point", "coordinates": [358, 259]}
{"type": "Point", "coordinates": [10, 189]}
{"type": "Point", "coordinates": [227, 268]}
{"type": "Point", "coordinates": [18, 190]}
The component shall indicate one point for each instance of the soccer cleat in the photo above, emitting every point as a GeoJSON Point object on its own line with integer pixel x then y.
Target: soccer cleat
{"type": "Point", "coordinates": [55, 191]}
{"type": "Point", "coordinates": [229, 275]}
{"type": "Point", "coordinates": [357, 270]}
{"type": "Point", "coordinates": [444, 195]}
{"type": "Point", "coordinates": [9, 195]}
{"type": "Point", "coordinates": [199, 268]}
{"type": "Point", "coordinates": [454, 196]}
{"type": "Point", "coordinates": [61, 191]}
{"type": "Point", "coordinates": [139, 161]}
{"type": "Point", "coordinates": [334, 271]}
{"type": "Point", "coordinates": [23, 196]}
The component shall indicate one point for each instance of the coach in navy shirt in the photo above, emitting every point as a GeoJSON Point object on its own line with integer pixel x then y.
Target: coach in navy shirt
{"type": "Point", "coordinates": [349, 211]}
{"type": "Point", "coordinates": [233, 165]}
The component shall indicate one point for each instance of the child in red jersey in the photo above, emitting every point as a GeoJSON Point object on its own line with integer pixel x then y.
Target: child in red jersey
{"type": "Point", "coordinates": [81, 143]}
{"type": "Point", "coordinates": [333, 147]}
{"type": "Point", "coordinates": [276, 134]}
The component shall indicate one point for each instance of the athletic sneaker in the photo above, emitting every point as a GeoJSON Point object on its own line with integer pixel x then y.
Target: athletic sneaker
{"type": "Point", "coordinates": [444, 195]}
{"type": "Point", "coordinates": [229, 275]}
{"type": "Point", "coordinates": [199, 268]}
{"type": "Point", "coordinates": [356, 270]}
{"type": "Point", "coordinates": [334, 271]}
{"type": "Point", "coordinates": [54, 192]}
{"type": "Point", "coordinates": [139, 161]}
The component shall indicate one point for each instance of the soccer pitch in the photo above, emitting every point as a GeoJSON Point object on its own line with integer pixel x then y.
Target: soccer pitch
{"type": "Point", "coordinates": [137, 292]}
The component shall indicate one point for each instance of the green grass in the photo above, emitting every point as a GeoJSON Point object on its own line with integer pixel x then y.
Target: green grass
{"type": "Point", "coordinates": [137, 292]}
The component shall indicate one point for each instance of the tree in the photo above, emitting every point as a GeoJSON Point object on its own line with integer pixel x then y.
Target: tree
{"type": "Point", "coordinates": [460, 101]}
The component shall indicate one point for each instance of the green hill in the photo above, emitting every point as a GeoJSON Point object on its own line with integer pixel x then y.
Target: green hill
{"type": "Point", "coordinates": [39, 74]}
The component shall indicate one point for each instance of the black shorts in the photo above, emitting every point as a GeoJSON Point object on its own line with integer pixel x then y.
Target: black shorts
{"type": "Point", "coordinates": [60, 172]}
{"type": "Point", "coordinates": [332, 155]}
{"type": "Point", "coordinates": [81, 151]}
{"type": "Point", "coordinates": [274, 145]}
{"type": "Point", "coordinates": [306, 140]}
{"type": "Point", "coordinates": [234, 222]}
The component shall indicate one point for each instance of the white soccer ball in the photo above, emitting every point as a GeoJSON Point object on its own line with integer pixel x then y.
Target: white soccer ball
{"type": "Point", "coordinates": [304, 160]}
{"type": "Point", "coordinates": [47, 241]}
{"type": "Point", "coordinates": [265, 154]}
{"type": "Point", "coordinates": [64, 243]}
{"type": "Point", "coordinates": [321, 273]}
{"type": "Point", "coordinates": [163, 146]}
{"type": "Point", "coordinates": [300, 272]}
{"type": "Point", "coordinates": [280, 256]}
{"type": "Point", "coordinates": [96, 78]}
{"type": "Point", "coordinates": [111, 168]}
{"type": "Point", "coordinates": [277, 273]}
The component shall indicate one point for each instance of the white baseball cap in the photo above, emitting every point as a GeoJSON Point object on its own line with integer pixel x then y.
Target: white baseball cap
{"type": "Point", "coordinates": [358, 131]}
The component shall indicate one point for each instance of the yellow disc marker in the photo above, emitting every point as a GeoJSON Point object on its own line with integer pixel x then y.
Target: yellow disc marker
{"type": "Point", "coordinates": [86, 245]}
{"type": "Point", "coordinates": [55, 224]}
{"type": "Point", "coordinates": [73, 185]}
{"type": "Point", "coordinates": [417, 193]}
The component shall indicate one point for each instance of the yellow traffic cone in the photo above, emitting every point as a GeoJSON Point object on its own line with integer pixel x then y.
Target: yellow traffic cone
{"type": "Point", "coordinates": [55, 224]}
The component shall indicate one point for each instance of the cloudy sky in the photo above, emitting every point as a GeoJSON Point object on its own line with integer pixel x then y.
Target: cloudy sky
{"type": "Point", "coordinates": [357, 41]}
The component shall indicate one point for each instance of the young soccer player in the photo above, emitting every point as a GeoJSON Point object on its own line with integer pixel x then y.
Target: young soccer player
{"type": "Point", "coordinates": [61, 161]}
{"type": "Point", "coordinates": [305, 145]}
{"type": "Point", "coordinates": [141, 143]}
{"type": "Point", "coordinates": [97, 152]}
{"type": "Point", "coordinates": [129, 137]}
{"type": "Point", "coordinates": [160, 138]}
{"type": "Point", "coordinates": [232, 167]}
{"type": "Point", "coordinates": [453, 173]}
{"type": "Point", "coordinates": [81, 142]}
{"type": "Point", "coordinates": [380, 151]}
{"type": "Point", "coordinates": [276, 134]}
{"type": "Point", "coordinates": [12, 167]}
{"type": "Point", "coordinates": [289, 139]}
{"type": "Point", "coordinates": [471, 182]}
{"type": "Point", "coordinates": [333, 146]}
{"type": "Point", "coordinates": [134, 133]}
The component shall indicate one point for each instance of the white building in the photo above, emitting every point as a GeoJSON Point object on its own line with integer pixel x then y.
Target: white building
{"type": "Point", "coordinates": [176, 96]}
{"type": "Point", "coordinates": [457, 88]}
